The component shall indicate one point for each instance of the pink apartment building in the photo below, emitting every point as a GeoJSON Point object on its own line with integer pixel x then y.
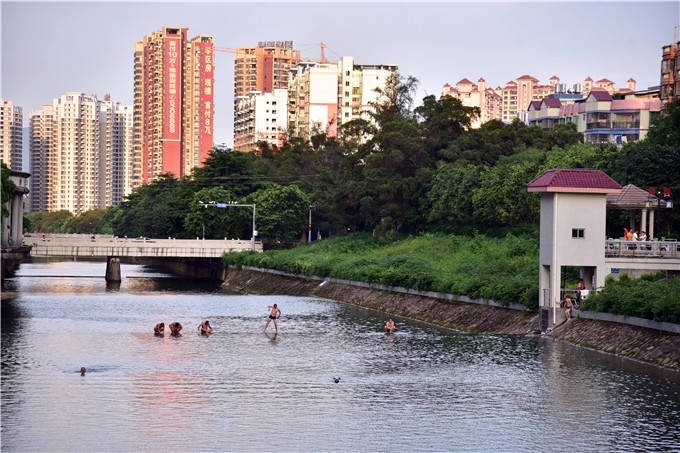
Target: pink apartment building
{"type": "Point", "coordinates": [512, 100]}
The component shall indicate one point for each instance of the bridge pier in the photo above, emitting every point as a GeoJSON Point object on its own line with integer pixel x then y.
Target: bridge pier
{"type": "Point", "coordinates": [113, 269]}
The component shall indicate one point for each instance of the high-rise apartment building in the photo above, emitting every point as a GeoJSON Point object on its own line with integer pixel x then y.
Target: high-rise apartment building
{"type": "Point", "coordinates": [42, 154]}
{"type": "Point", "coordinates": [79, 146]}
{"type": "Point", "coordinates": [174, 85]}
{"type": "Point", "coordinates": [263, 68]}
{"type": "Point", "coordinates": [324, 96]}
{"type": "Point", "coordinates": [261, 117]}
{"type": "Point", "coordinates": [360, 88]}
{"type": "Point", "coordinates": [11, 139]}
{"type": "Point", "coordinates": [116, 151]}
{"type": "Point", "coordinates": [670, 72]}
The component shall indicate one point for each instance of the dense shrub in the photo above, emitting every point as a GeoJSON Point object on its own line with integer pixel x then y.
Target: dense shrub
{"type": "Point", "coordinates": [647, 298]}
{"type": "Point", "coordinates": [502, 269]}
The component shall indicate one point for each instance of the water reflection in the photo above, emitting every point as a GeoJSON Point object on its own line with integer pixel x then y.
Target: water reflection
{"type": "Point", "coordinates": [421, 389]}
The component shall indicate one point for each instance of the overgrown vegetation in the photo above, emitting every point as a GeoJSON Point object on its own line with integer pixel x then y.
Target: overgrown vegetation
{"type": "Point", "coordinates": [408, 171]}
{"type": "Point", "coordinates": [502, 269]}
{"type": "Point", "coordinates": [647, 297]}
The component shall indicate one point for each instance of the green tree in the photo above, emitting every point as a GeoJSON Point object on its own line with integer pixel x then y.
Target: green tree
{"type": "Point", "coordinates": [155, 210]}
{"type": "Point", "coordinates": [502, 198]}
{"type": "Point", "coordinates": [450, 196]}
{"type": "Point", "coordinates": [85, 223]}
{"type": "Point", "coordinates": [443, 120]}
{"type": "Point", "coordinates": [7, 188]}
{"type": "Point", "coordinates": [281, 213]}
{"type": "Point", "coordinates": [233, 170]}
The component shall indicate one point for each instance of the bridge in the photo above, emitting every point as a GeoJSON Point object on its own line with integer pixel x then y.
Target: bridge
{"type": "Point", "coordinates": [642, 256]}
{"type": "Point", "coordinates": [113, 248]}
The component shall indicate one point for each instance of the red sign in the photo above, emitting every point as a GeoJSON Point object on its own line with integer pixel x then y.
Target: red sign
{"type": "Point", "coordinates": [206, 132]}
{"type": "Point", "coordinates": [173, 88]}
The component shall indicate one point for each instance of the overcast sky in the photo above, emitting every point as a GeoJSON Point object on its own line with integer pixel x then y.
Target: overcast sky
{"type": "Point", "coordinates": [51, 48]}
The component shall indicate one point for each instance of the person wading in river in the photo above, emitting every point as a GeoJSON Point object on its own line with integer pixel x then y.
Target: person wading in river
{"type": "Point", "coordinates": [175, 327]}
{"type": "Point", "coordinates": [273, 316]}
{"type": "Point", "coordinates": [159, 330]}
{"type": "Point", "coordinates": [205, 328]}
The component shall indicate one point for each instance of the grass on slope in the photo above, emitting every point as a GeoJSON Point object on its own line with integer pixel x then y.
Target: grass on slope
{"type": "Point", "coordinates": [505, 269]}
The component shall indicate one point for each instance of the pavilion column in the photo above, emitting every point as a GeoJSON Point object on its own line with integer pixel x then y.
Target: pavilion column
{"type": "Point", "coordinates": [651, 223]}
{"type": "Point", "coordinates": [632, 219]}
{"type": "Point", "coordinates": [643, 220]}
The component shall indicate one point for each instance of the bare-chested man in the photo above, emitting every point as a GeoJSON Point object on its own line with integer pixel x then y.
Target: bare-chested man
{"type": "Point", "coordinates": [175, 328]}
{"type": "Point", "coordinates": [389, 326]}
{"type": "Point", "coordinates": [159, 329]}
{"type": "Point", "coordinates": [273, 316]}
{"type": "Point", "coordinates": [205, 328]}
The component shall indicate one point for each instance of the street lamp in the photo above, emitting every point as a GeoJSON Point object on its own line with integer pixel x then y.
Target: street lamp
{"type": "Point", "coordinates": [234, 204]}
{"type": "Point", "coordinates": [309, 234]}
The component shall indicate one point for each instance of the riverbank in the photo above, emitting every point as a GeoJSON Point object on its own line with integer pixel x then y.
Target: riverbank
{"type": "Point", "coordinates": [649, 345]}
{"type": "Point", "coordinates": [455, 315]}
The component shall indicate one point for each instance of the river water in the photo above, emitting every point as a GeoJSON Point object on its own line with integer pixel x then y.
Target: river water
{"type": "Point", "coordinates": [421, 389]}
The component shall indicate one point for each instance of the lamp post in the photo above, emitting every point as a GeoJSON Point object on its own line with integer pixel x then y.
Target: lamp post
{"type": "Point", "coordinates": [234, 204]}
{"type": "Point", "coordinates": [309, 226]}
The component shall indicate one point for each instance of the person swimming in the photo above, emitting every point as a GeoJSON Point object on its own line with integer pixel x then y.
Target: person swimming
{"type": "Point", "coordinates": [159, 329]}
{"type": "Point", "coordinates": [389, 326]}
{"type": "Point", "coordinates": [175, 328]}
{"type": "Point", "coordinates": [205, 328]}
{"type": "Point", "coordinates": [82, 371]}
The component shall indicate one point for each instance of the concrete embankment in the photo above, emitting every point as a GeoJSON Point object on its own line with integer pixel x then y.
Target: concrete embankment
{"type": "Point", "coordinates": [457, 315]}
{"type": "Point", "coordinates": [649, 345]}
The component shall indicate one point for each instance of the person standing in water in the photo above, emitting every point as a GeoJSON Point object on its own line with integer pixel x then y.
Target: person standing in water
{"type": "Point", "coordinates": [389, 326]}
{"type": "Point", "coordinates": [273, 316]}
{"type": "Point", "coordinates": [159, 329]}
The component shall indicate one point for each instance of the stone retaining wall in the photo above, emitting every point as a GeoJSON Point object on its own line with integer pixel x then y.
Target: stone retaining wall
{"type": "Point", "coordinates": [642, 343]}
{"type": "Point", "coordinates": [470, 317]}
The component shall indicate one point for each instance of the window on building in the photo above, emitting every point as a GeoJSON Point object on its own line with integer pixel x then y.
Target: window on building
{"type": "Point", "coordinates": [347, 83]}
{"type": "Point", "coordinates": [578, 233]}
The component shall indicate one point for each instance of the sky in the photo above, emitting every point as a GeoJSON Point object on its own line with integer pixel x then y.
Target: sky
{"type": "Point", "coordinates": [52, 48]}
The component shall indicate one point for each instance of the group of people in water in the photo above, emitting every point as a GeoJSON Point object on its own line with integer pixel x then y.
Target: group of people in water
{"type": "Point", "coordinates": [204, 328]}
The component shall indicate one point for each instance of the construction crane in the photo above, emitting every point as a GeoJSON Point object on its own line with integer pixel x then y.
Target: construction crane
{"type": "Point", "coordinates": [322, 60]}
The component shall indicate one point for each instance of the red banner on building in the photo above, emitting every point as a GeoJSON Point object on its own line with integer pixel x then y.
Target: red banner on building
{"type": "Point", "coordinates": [206, 133]}
{"type": "Point", "coordinates": [173, 88]}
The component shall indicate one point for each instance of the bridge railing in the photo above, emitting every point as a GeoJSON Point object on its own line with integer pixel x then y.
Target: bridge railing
{"type": "Point", "coordinates": [130, 251]}
{"type": "Point", "coordinates": [642, 249]}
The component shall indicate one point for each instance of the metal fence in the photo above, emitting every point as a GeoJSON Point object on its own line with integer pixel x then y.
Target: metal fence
{"type": "Point", "coordinates": [642, 249]}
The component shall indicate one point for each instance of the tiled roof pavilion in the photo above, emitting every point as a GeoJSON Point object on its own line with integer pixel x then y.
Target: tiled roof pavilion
{"type": "Point", "coordinates": [574, 180]}
{"type": "Point", "coordinates": [631, 197]}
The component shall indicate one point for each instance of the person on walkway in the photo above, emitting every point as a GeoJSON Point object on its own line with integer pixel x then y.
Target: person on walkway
{"type": "Point", "coordinates": [205, 328]}
{"type": "Point", "coordinates": [273, 316]}
{"type": "Point", "coordinates": [568, 307]}
{"type": "Point", "coordinates": [389, 326]}
{"type": "Point", "coordinates": [159, 329]}
{"type": "Point", "coordinates": [175, 329]}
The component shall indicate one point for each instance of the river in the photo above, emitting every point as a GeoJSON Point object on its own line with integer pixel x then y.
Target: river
{"type": "Point", "coordinates": [421, 389]}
